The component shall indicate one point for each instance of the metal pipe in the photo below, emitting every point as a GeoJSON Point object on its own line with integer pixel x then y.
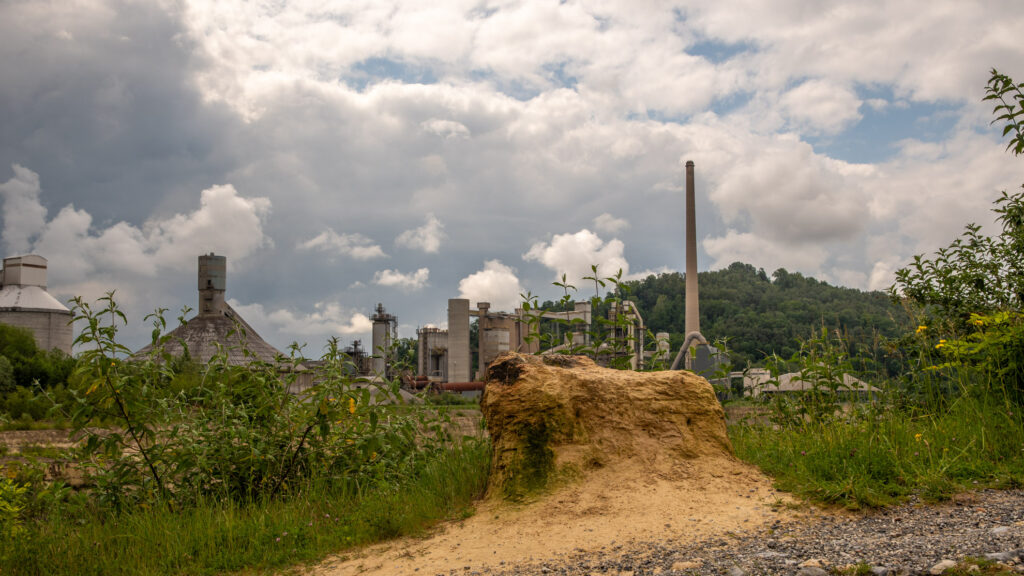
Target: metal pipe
{"type": "Point", "coordinates": [686, 346]}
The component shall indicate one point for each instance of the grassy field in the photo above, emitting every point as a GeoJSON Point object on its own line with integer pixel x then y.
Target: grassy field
{"type": "Point", "coordinates": [214, 537]}
{"type": "Point", "coordinates": [876, 454]}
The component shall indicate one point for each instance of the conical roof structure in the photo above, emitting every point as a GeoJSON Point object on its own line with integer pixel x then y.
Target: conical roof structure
{"type": "Point", "coordinates": [217, 327]}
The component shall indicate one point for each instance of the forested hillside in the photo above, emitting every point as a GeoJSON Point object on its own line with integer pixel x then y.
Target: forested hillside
{"type": "Point", "coordinates": [761, 315]}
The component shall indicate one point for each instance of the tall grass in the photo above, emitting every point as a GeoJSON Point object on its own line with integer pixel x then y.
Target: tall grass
{"type": "Point", "coordinates": [877, 455]}
{"type": "Point", "coordinates": [946, 426]}
{"type": "Point", "coordinates": [214, 537]}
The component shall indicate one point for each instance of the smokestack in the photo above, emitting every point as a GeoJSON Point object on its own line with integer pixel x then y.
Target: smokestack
{"type": "Point", "coordinates": [692, 307]}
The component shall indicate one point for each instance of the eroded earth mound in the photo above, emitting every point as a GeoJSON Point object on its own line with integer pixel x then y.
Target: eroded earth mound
{"type": "Point", "coordinates": [589, 459]}
{"type": "Point", "coordinates": [555, 417]}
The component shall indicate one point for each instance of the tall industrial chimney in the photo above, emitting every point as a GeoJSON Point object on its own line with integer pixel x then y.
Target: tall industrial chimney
{"type": "Point", "coordinates": [692, 307]}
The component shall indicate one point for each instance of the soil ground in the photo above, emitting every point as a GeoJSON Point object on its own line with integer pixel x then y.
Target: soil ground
{"type": "Point", "coordinates": [609, 508]}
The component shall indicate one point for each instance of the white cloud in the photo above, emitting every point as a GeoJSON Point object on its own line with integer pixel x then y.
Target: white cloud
{"type": "Point", "coordinates": [610, 224]}
{"type": "Point", "coordinates": [789, 194]}
{"type": "Point", "coordinates": [821, 107]}
{"type": "Point", "coordinates": [426, 238]}
{"type": "Point", "coordinates": [24, 215]}
{"type": "Point", "coordinates": [224, 222]}
{"type": "Point", "coordinates": [326, 320]}
{"type": "Point", "coordinates": [574, 254]}
{"type": "Point", "coordinates": [411, 281]}
{"type": "Point", "coordinates": [504, 119]}
{"type": "Point", "coordinates": [495, 283]}
{"type": "Point", "coordinates": [355, 245]}
{"type": "Point", "coordinates": [762, 252]}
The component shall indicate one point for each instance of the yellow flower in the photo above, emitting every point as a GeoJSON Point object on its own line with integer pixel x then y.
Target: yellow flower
{"type": "Point", "coordinates": [920, 329]}
{"type": "Point", "coordinates": [917, 437]}
{"type": "Point", "coordinates": [940, 344]}
{"type": "Point", "coordinates": [351, 405]}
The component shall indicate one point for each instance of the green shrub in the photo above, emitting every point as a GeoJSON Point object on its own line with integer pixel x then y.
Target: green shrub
{"type": "Point", "coordinates": [235, 432]}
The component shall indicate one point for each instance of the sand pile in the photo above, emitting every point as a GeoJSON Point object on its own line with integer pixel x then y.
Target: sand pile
{"type": "Point", "coordinates": [587, 457]}
{"type": "Point", "coordinates": [560, 417]}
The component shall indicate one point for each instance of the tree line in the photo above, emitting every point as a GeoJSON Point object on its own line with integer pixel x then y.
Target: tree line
{"type": "Point", "coordinates": [757, 315]}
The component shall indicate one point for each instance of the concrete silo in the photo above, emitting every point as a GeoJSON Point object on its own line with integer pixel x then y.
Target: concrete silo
{"type": "Point", "coordinates": [24, 302]}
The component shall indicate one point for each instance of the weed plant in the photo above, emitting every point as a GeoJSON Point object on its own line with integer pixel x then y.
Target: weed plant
{"type": "Point", "coordinates": [215, 536]}
{"type": "Point", "coordinates": [225, 469]}
{"type": "Point", "coordinates": [609, 339]}
{"type": "Point", "coordinates": [953, 420]}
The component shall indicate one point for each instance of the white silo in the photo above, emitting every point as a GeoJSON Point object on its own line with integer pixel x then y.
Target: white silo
{"type": "Point", "coordinates": [24, 302]}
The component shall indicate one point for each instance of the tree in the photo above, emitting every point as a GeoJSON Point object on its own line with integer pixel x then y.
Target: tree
{"type": "Point", "coordinates": [976, 274]}
{"type": "Point", "coordinates": [970, 295]}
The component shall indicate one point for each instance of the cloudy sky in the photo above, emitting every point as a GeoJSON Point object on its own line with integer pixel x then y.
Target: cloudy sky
{"type": "Point", "coordinates": [348, 153]}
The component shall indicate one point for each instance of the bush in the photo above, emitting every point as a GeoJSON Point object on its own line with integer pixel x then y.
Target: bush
{"type": "Point", "coordinates": [237, 433]}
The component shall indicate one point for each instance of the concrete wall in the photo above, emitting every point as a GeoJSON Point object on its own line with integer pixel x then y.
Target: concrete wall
{"type": "Point", "coordinates": [51, 329]}
{"type": "Point", "coordinates": [498, 334]}
{"type": "Point", "coordinates": [432, 356]}
{"type": "Point", "coordinates": [458, 340]}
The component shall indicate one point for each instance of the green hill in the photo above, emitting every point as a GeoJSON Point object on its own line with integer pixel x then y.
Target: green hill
{"type": "Point", "coordinates": [759, 315]}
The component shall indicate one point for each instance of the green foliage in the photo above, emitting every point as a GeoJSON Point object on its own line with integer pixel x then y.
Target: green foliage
{"type": "Point", "coordinates": [28, 364]}
{"type": "Point", "coordinates": [17, 342]}
{"type": "Point", "coordinates": [215, 537]}
{"type": "Point", "coordinates": [976, 274]}
{"type": "Point", "coordinates": [12, 503]}
{"type": "Point", "coordinates": [762, 316]}
{"type": "Point", "coordinates": [207, 468]}
{"type": "Point", "coordinates": [238, 434]}
{"type": "Point", "coordinates": [608, 338]}
{"type": "Point", "coordinates": [6, 375]}
{"type": "Point", "coordinates": [822, 362]}
{"type": "Point", "coordinates": [876, 454]}
{"type": "Point", "coordinates": [969, 297]}
{"type": "Point", "coordinates": [954, 418]}
{"type": "Point", "coordinates": [1010, 107]}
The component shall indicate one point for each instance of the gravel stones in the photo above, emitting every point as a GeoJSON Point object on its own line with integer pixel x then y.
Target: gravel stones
{"type": "Point", "coordinates": [910, 539]}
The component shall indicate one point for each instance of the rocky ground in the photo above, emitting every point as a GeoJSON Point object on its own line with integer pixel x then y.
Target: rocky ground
{"type": "Point", "coordinates": [986, 528]}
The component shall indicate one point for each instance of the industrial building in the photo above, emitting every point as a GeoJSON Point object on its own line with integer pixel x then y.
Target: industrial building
{"type": "Point", "coordinates": [444, 356]}
{"type": "Point", "coordinates": [385, 328]}
{"type": "Point", "coordinates": [24, 302]}
{"type": "Point", "coordinates": [217, 327]}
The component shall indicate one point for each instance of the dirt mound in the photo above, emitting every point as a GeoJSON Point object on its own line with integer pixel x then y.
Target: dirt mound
{"type": "Point", "coordinates": [587, 458]}
{"type": "Point", "coordinates": [556, 417]}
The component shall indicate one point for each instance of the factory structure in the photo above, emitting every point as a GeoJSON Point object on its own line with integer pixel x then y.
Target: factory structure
{"type": "Point", "coordinates": [695, 354]}
{"type": "Point", "coordinates": [443, 355]}
{"type": "Point", "coordinates": [216, 327]}
{"type": "Point", "coordinates": [24, 302]}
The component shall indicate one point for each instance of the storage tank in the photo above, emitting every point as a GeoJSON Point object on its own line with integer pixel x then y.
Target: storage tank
{"type": "Point", "coordinates": [24, 302]}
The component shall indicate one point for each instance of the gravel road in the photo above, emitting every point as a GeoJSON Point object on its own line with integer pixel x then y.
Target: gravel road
{"type": "Point", "coordinates": [913, 538]}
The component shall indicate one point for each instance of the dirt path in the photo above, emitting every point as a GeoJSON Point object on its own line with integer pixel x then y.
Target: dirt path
{"type": "Point", "coordinates": [609, 509]}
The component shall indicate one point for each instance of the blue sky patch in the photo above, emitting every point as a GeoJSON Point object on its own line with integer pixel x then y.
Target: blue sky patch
{"type": "Point", "coordinates": [716, 51]}
{"type": "Point", "coordinates": [373, 70]}
{"type": "Point", "coordinates": [874, 138]}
